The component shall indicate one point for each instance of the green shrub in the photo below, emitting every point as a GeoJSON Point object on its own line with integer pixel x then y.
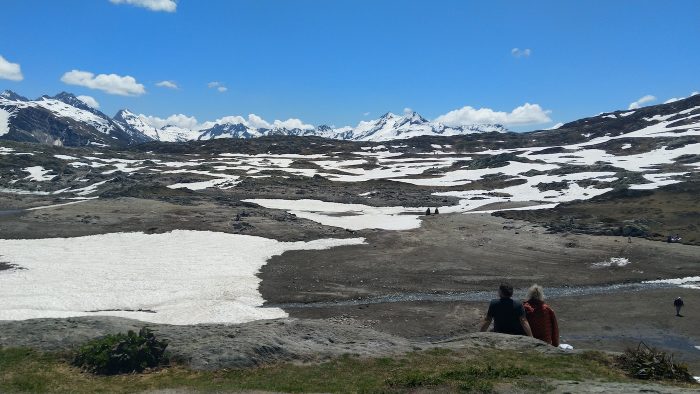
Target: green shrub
{"type": "Point", "coordinates": [652, 364]}
{"type": "Point", "coordinates": [122, 353]}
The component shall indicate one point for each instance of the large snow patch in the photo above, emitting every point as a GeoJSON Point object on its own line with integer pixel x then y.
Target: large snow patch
{"type": "Point", "coordinates": [4, 122]}
{"type": "Point", "coordinates": [181, 277]}
{"type": "Point", "coordinates": [348, 216]}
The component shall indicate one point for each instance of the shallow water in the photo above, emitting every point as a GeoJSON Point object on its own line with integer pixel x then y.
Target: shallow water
{"type": "Point", "coordinates": [10, 212]}
{"type": "Point", "coordinates": [477, 296]}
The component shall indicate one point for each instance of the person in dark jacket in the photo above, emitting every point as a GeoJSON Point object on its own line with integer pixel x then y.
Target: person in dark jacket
{"type": "Point", "coordinates": [507, 315]}
{"type": "Point", "coordinates": [678, 303]}
{"type": "Point", "coordinates": [542, 320]}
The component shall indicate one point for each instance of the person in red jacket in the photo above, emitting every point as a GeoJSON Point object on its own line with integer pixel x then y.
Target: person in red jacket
{"type": "Point", "coordinates": [541, 317]}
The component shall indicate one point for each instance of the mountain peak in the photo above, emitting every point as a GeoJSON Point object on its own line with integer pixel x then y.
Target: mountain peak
{"type": "Point", "coordinates": [64, 96]}
{"type": "Point", "coordinates": [414, 116]}
{"type": "Point", "coordinates": [72, 100]}
{"type": "Point", "coordinates": [10, 95]}
{"type": "Point", "coordinates": [123, 114]}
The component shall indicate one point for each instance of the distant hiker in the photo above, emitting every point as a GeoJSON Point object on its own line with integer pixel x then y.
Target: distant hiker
{"type": "Point", "coordinates": [678, 303]}
{"type": "Point", "coordinates": [508, 315]}
{"type": "Point", "coordinates": [427, 212]}
{"type": "Point", "coordinates": [436, 211]}
{"type": "Point", "coordinates": [629, 240]}
{"type": "Point", "coordinates": [543, 321]}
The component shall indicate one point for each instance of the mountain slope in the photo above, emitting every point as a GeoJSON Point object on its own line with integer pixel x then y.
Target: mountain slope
{"type": "Point", "coordinates": [392, 127]}
{"type": "Point", "coordinates": [61, 120]}
{"type": "Point", "coordinates": [65, 120]}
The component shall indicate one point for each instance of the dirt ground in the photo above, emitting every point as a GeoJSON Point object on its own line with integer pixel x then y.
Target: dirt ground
{"type": "Point", "coordinates": [463, 253]}
{"type": "Point", "coordinates": [127, 214]}
{"type": "Point", "coordinates": [456, 253]}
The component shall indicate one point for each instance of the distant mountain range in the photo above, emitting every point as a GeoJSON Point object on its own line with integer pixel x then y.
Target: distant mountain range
{"type": "Point", "coordinates": [66, 120]}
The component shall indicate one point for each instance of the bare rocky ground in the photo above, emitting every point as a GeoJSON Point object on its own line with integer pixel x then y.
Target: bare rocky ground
{"type": "Point", "coordinates": [209, 346]}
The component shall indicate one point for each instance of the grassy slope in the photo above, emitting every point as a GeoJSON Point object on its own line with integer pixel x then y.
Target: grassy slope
{"type": "Point", "coordinates": [24, 370]}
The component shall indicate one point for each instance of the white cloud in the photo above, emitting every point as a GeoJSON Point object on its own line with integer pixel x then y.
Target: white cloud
{"type": "Point", "coordinates": [407, 111]}
{"type": "Point", "coordinates": [153, 5]}
{"type": "Point", "coordinates": [366, 114]}
{"type": "Point", "coordinates": [258, 122]}
{"type": "Point", "coordinates": [517, 52]}
{"type": "Point", "coordinates": [292, 123]}
{"type": "Point", "coordinates": [642, 100]}
{"type": "Point", "coordinates": [167, 84]}
{"type": "Point", "coordinates": [90, 101]}
{"type": "Point", "coordinates": [522, 115]}
{"type": "Point", "coordinates": [252, 121]}
{"type": "Point", "coordinates": [11, 71]}
{"type": "Point", "coordinates": [218, 86]}
{"type": "Point", "coordinates": [109, 83]}
{"type": "Point", "coordinates": [179, 120]}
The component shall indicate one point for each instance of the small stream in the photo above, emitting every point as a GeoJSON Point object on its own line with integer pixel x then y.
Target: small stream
{"type": "Point", "coordinates": [10, 212]}
{"type": "Point", "coordinates": [476, 296]}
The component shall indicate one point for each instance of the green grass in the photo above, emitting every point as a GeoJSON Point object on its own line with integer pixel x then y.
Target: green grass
{"type": "Point", "coordinates": [23, 370]}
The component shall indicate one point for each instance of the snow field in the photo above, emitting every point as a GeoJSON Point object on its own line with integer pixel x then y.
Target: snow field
{"type": "Point", "coordinates": [185, 277]}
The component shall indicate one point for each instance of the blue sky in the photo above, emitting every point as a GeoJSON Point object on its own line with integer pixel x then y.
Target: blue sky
{"type": "Point", "coordinates": [343, 61]}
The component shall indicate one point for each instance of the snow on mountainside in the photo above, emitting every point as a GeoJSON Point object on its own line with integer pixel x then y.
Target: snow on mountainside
{"type": "Point", "coordinates": [392, 127]}
{"type": "Point", "coordinates": [388, 127]}
{"type": "Point", "coordinates": [229, 130]}
{"type": "Point", "coordinates": [172, 133]}
{"type": "Point", "coordinates": [128, 119]}
{"type": "Point", "coordinates": [66, 120]}
{"type": "Point", "coordinates": [140, 124]}
{"type": "Point", "coordinates": [69, 121]}
{"type": "Point", "coordinates": [62, 120]}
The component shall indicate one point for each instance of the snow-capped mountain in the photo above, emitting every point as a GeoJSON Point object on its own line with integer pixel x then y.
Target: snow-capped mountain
{"type": "Point", "coordinates": [61, 120]}
{"type": "Point", "coordinates": [140, 124]}
{"type": "Point", "coordinates": [386, 128]}
{"type": "Point", "coordinates": [129, 120]}
{"type": "Point", "coordinates": [241, 130]}
{"type": "Point", "coordinates": [228, 130]}
{"type": "Point", "coordinates": [392, 127]}
{"type": "Point", "coordinates": [66, 120]}
{"type": "Point", "coordinates": [172, 133]}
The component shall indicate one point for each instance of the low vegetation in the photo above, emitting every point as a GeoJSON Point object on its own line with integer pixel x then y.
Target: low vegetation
{"type": "Point", "coordinates": [23, 370]}
{"type": "Point", "coordinates": [121, 353]}
{"type": "Point", "coordinates": [649, 363]}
